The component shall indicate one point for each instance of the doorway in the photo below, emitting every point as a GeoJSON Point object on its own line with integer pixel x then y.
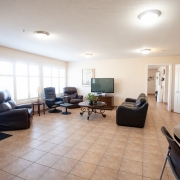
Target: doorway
{"type": "Point", "coordinates": [163, 89]}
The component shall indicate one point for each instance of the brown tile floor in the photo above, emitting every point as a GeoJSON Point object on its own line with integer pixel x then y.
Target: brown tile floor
{"type": "Point", "coordinates": [74, 148]}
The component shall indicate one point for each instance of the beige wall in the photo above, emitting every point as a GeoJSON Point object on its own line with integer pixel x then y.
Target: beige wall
{"type": "Point", "coordinates": [130, 74]}
{"type": "Point", "coordinates": [12, 54]}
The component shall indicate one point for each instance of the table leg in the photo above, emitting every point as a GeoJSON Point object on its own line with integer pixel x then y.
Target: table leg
{"type": "Point", "coordinates": [66, 113]}
{"type": "Point", "coordinates": [33, 108]}
{"type": "Point", "coordinates": [39, 109]}
{"type": "Point", "coordinates": [83, 109]}
{"type": "Point", "coordinates": [102, 112]}
{"type": "Point", "coordinates": [44, 108]}
{"type": "Point", "coordinates": [89, 113]}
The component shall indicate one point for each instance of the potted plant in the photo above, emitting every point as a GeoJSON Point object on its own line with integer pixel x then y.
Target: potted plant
{"type": "Point", "coordinates": [95, 99]}
{"type": "Point", "coordinates": [91, 98]}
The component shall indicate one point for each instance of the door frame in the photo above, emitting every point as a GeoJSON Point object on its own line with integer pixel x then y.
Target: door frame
{"type": "Point", "coordinates": [169, 107]}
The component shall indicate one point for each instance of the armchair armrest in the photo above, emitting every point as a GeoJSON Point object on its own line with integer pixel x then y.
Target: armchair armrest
{"type": "Point", "coordinates": [49, 100]}
{"type": "Point", "coordinates": [59, 99]}
{"type": "Point", "coordinates": [80, 96]}
{"type": "Point", "coordinates": [66, 99]}
{"type": "Point", "coordinates": [23, 106]}
{"type": "Point", "coordinates": [130, 100]}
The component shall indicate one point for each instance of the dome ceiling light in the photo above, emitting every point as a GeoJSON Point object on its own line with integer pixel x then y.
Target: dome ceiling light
{"type": "Point", "coordinates": [41, 34]}
{"type": "Point", "coordinates": [89, 55]}
{"type": "Point", "coordinates": [149, 16]}
{"type": "Point", "coordinates": [145, 51]}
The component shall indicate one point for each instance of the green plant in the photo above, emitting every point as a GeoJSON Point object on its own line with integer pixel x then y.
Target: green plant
{"type": "Point", "coordinates": [91, 97]}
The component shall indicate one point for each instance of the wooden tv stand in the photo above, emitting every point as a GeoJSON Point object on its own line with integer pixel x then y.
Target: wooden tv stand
{"type": "Point", "coordinates": [109, 100]}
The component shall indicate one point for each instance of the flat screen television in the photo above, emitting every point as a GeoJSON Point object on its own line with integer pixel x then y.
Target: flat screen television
{"type": "Point", "coordinates": [102, 85]}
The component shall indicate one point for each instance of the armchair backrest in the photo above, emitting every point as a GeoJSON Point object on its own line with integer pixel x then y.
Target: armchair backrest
{"type": "Point", "coordinates": [49, 93]}
{"type": "Point", "coordinates": [71, 92]}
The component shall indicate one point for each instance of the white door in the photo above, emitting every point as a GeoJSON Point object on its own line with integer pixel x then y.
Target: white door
{"type": "Point", "coordinates": [177, 89]}
{"type": "Point", "coordinates": [157, 81]}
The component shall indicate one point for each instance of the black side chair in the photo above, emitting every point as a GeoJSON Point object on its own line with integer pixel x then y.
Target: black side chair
{"type": "Point", "coordinates": [51, 100]}
{"type": "Point", "coordinates": [173, 155]}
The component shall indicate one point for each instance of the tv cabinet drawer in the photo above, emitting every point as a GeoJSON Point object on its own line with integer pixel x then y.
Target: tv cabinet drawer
{"type": "Point", "coordinates": [109, 100]}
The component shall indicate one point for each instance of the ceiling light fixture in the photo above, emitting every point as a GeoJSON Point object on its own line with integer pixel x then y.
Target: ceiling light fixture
{"type": "Point", "coordinates": [41, 34]}
{"type": "Point", "coordinates": [149, 16]}
{"type": "Point", "coordinates": [89, 55]}
{"type": "Point", "coordinates": [145, 51]}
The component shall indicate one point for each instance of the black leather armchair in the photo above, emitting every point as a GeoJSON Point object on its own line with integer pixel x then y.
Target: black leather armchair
{"type": "Point", "coordinates": [132, 112]}
{"type": "Point", "coordinates": [71, 96]}
{"type": "Point", "coordinates": [13, 117]}
{"type": "Point", "coordinates": [51, 100]}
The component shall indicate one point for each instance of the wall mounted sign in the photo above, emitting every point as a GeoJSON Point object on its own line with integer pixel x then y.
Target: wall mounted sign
{"type": "Point", "coordinates": [87, 74]}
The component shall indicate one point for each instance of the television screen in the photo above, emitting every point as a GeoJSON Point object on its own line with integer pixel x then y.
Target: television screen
{"type": "Point", "coordinates": [102, 85]}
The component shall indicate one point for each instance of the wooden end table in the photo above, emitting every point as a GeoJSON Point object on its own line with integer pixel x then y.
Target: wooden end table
{"type": "Point", "coordinates": [38, 104]}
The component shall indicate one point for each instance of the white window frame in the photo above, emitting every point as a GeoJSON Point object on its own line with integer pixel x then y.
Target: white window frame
{"type": "Point", "coordinates": [58, 68]}
{"type": "Point", "coordinates": [41, 76]}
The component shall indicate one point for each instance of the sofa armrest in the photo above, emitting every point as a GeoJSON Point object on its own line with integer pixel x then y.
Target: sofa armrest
{"type": "Point", "coordinates": [14, 119]}
{"type": "Point", "coordinates": [15, 113]}
{"type": "Point", "coordinates": [80, 96]}
{"type": "Point", "coordinates": [50, 100]}
{"type": "Point", "coordinates": [23, 106]}
{"type": "Point", "coordinates": [130, 100]}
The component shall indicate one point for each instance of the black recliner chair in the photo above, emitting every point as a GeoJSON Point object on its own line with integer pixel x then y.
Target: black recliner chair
{"type": "Point", "coordinates": [51, 100]}
{"type": "Point", "coordinates": [12, 116]}
{"type": "Point", "coordinates": [71, 96]}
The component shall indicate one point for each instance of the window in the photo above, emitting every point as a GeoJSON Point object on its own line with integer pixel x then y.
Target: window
{"type": "Point", "coordinates": [54, 77]}
{"type": "Point", "coordinates": [62, 80]}
{"type": "Point", "coordinates": [6, 77]}
{"type": "Point", "coordinates": [47, 76]}
{"type": "Point", "coordinates": [22, 79]}
{"type": "Point", "coordinates": [21, 72]}
{"type": "Point", "coordinates": [33, 80]}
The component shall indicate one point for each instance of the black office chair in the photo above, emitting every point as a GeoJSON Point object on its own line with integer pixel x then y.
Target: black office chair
{"type": "Point", "coordinates": [51, 100]}
{"type": "Point", "coordinates": [173, 155]}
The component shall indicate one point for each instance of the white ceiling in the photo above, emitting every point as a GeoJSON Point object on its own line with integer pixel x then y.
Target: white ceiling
{"type": "Point", "coordinates": [109, 29]}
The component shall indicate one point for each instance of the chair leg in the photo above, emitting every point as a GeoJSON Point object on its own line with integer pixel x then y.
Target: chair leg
{"type": "Point", "coordinates": [164, 165]}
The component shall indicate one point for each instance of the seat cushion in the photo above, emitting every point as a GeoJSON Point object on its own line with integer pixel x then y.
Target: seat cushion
{"type": "Point", "coordinates": [75, 101]}
{"type": "Point", "coordinates": [140, 101]}
{"type": "Point", "coordinates": [128, 104]}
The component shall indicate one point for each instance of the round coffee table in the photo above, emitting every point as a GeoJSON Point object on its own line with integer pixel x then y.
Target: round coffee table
{"type": "Point", "coordinates": [85, 106]}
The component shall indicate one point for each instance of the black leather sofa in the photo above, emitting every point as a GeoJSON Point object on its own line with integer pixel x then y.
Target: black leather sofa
{"type": "Point", "coordinates": [12, 116]}
{"type": "Point", "coordinates": [71, 96]}
{"type": "Point", "coordinates": [132, 112]}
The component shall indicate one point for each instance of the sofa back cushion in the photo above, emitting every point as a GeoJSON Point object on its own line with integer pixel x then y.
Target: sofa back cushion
{"type": "Point", "coordinates": [12, 103]}
{"type": "Point", "coordinates": [4, 96]}
{"type": "Point", "coordinates": [140, 101]}
{"type": "Point", "coordinates": [5, 106]}
{"type": "Point", "coordinates": [142, 95]}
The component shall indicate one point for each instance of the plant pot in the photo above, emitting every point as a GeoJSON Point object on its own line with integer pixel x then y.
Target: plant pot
{"type": "Point", "coordinates": [90, 102]}
{"type": "Point", "coordinates": [94, 102]}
